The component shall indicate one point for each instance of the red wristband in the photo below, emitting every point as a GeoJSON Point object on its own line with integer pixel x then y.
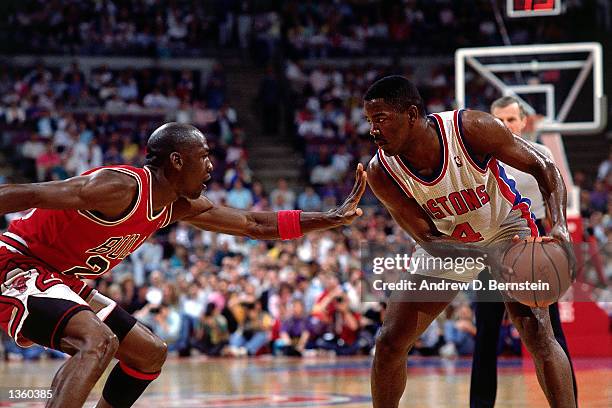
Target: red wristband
{"type": "Point", "coordinates": [289, 224]}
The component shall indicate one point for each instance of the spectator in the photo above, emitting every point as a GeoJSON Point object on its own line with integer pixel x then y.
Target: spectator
{"type": "Point", "coordinates": [47, 161]}
{"type": "Point", "coordinates": [213, 335]}
{"type": "Point", "coordinates": [239, 197]}
{"type": "Point", "coordinates": [192, 307]}
{"type": "Point", "coordinates": [282, 198]}
{"type": "Point", "coordinates": [216, 193]}
{"type": "Point", "coordinates": [428, 344]}
{"type": "Point", "coordinates": [165, 322]}
{"type": "Point", "coordinates": [598, 199]}
{"type": "Point", "coordinates": [308, 125]}
{"type": "Point", "coordinates": [154, 295]}
{"type": "Point", "coordinates": [254, 332]}
{"type": "Point", "coordinates": [294, 332]}
{"type": "Point", "coordinates": [605, 168]}
{"type": "Point", "coordinates": [146, 259]}
{"type": "Point", "coordinates": [309, 200]}
{"type": "Point", "coordinates": [30, 151]}
{"type": "Point", "coordinates": [14, 114]}
{"type": "Point", "coordinates": [323, 173]}
{"type": "Point", "coordinates": [342, 336]}
{"type": "Point", "coordinates": [459, 333]}
{"type": "Point", "coordinates": [215, 87]}
{"type": "Point", "coordinates": [85, 156]}
{"type": "Point", "coordinates": [155, 100]}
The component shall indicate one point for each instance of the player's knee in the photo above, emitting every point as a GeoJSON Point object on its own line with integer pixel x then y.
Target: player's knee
{"type": "Point", "coordinates": [538, 341]}
{"type": "Point", "coordinates": [101, 344]}
{"type": "Point", "coordinates": [388, 344]}
{"type": "Point", "coordinates": [158, 354]}
{"type": "Point", "coordinates": [153, 359]}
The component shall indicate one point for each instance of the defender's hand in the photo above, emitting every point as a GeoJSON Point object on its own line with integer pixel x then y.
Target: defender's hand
{"type": "Point", "coordinates": [348, 211]}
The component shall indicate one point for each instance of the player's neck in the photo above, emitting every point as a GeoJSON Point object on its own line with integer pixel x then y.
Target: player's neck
{"type": "Point", "coordinates": [162, 191]}
{"type": "Point", "coordinates": [423, 152]}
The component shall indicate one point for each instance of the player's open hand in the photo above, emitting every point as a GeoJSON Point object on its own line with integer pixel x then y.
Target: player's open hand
{"type": "Point", "coordinates": [348, 211]}
{"type": "Point", "coordinates": [560, 234]}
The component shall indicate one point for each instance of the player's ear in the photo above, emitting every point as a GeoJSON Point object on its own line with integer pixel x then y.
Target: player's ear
{"type": "Point", "coordinates": [413, 114]}
{"type": "Point", "coordinates": [176, 160]}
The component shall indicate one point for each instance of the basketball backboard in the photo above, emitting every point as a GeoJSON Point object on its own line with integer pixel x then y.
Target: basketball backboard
{"type": "Point", "coordinates": [533, 8]}
{"type": "Point", "coordinates": [563, 82]}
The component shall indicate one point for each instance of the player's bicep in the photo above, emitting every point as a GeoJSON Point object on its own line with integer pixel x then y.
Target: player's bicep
{"type": "Point", "coordinates": [102, 191]}
{"type": "Point", "coordinates": [404, 210]}
{"type": "Point", "coordinates": [523, 156]}
{"type": "Point", "coordinates": [415, 222]}
{"type": "Point", "coordinates": [489, 136]}
{"type": "Point", "coordinates": [205, 215]}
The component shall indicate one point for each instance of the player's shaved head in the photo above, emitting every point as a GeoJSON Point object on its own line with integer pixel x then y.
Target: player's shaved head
{"type": "Point", "coordinates": [397, 92]}
{"type": "Point", "coordinates": [168, 138]}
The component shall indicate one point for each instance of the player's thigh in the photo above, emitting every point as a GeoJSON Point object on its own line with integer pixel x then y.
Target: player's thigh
{"type": "Point", "coordinates": [406, 319]}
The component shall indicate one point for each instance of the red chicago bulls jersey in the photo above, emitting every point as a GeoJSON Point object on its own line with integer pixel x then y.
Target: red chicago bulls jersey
{"type": "Point", "coordinates": [83, 244]}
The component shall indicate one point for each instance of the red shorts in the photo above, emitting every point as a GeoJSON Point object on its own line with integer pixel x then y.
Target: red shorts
{"type": "Point", "coordinates": [29, 288]}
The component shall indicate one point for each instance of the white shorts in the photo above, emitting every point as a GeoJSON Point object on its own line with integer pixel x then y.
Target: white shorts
{"type": "Point", "coordinates": [464, 271]}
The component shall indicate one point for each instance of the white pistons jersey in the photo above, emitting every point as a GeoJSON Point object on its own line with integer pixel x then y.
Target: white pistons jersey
{"type": "Point", "coordinates": [467, 199]}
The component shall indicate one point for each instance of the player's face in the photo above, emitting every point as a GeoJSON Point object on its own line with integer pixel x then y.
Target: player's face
{"type": "Point", "coordinates": [388, 128]}
{"type": "Point", "coordinates": [511, 116]}
{"type": "Point", "coordinates": [197, 169]}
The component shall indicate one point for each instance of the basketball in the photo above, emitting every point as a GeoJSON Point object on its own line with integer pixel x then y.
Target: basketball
{"type": "Point", "coordinates": [540, 275]}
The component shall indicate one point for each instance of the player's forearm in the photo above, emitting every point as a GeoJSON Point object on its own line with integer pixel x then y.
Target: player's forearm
{"type": "Point", "coordinates": [554, 192]}
{"type": "Point", "coordinates": [319, 221]}
{"type": "Point", "coordinates": [264, 225]}
{"type": "Point", "coordinates": [15, 198]}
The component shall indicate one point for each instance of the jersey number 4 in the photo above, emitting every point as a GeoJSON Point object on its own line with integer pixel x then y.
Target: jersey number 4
{"type": "Point", "coordinates": [465, 233]}
{"type": "Point", "coordinates": [96, 265]}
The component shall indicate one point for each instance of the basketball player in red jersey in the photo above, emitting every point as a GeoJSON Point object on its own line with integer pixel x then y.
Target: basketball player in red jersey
{"type": "Point", "coordinates": [440, 179]}
{"type": "Point", "coordinates": [84, 226]}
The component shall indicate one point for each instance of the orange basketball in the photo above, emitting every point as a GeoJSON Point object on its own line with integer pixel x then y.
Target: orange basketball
{"type": "Point", "coordinates": [541, 273]}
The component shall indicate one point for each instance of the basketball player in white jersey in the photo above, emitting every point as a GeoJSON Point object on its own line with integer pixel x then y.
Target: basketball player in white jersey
{"type": "Point", "coordinates": [489, 315]}
{"type": "Point", "coordinates": [440, 178]}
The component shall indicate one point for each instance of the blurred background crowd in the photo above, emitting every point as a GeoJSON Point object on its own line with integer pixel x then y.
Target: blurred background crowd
{"type": "Point", "coordinates": [226, 296]}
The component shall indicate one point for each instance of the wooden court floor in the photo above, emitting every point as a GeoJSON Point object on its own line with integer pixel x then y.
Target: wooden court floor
{"type": "Point", "coordinates": [319, 382]}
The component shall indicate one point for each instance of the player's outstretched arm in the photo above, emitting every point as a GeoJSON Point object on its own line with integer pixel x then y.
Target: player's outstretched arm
{"type": "Point", "coordinates": [107, 192]}
{"type": "Point", "coordinates": [276, 225]}
{"type": "Point", "coordinates": [488, 136]}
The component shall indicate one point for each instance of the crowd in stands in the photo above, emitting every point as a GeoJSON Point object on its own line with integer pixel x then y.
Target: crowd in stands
{"type": "Point", "coordinates": [307, 28]}
{"type": "Point", "coordinates": [329, 28]}
{"type": "Point", "coordinates": [329, 122]}
{"type": "Point", "coordinates": [140, 28]}
{"type": "Point", "coordinates": [62, 124]}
